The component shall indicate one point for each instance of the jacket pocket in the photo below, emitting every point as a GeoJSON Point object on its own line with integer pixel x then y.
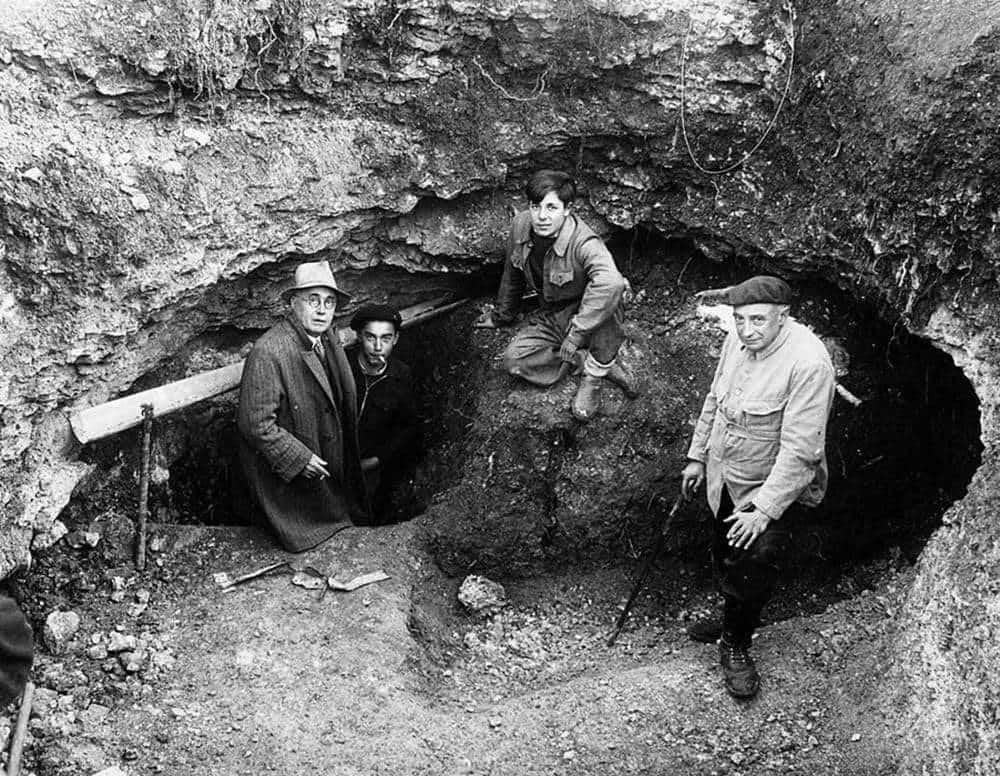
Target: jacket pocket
{"type": "Point", "coordinates": [560, 277]}
{"type": "Point", "coordinates": [755, 441]}
{"type": "Point", "coordinates": [762, 417]}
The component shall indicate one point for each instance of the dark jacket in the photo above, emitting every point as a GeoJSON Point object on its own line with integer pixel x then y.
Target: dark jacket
{"type": "Point", "coordinates": [290, 408]}
{"type": "Point", "coordinates": [577, 267]}
{"type": "Point", "coordinates": [387, 427]}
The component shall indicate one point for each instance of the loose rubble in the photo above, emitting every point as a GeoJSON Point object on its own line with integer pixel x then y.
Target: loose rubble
{"type": "Point", "coordinates": [60, 628]}
{"type": "Point", "coordinates": [482, 595]}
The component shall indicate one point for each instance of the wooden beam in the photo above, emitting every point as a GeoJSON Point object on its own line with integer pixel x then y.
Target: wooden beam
{"type": "Point", "coordinates": [114, 416]}
{"type": "Point", "coordinates": [109, 418]}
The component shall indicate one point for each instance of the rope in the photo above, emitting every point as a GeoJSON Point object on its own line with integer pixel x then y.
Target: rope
{"type": "Point", "coordinates": [767, 130]}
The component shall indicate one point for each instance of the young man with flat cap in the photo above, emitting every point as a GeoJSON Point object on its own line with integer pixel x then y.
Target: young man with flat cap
{"type": "Point", "coordinates": [759, 445]}
{"type": "Point", "coordinates": [298, 420]}
{"type": "Point", "coordinates": [579, 323]}
{"type": "Point", "coordinates": [387, 413]}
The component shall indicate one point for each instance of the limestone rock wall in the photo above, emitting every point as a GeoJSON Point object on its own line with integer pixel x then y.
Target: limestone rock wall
{"type": "Point", "coordinates": [159, 158]}
{"type": "Point", "coordinates": [163, 164]}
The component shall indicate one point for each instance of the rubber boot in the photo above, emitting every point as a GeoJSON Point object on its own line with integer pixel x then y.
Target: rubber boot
{"type": "Point", "coordinates": [587, 401]}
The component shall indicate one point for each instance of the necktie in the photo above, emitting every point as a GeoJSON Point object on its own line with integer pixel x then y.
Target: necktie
{"type": "Point", "coordinates": [320, 350]}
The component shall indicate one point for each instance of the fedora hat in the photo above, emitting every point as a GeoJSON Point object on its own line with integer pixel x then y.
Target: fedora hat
{"type": "Point", "coordinates": [315, 274]}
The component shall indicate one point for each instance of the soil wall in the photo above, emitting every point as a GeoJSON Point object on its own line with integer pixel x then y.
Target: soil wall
{"type": "Point", "coordinates": [165, 165]}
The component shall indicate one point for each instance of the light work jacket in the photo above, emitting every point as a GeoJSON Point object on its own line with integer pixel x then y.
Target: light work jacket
{"type": "Point", "coordinates": [577, 267]}
{"type": "Point", "coordinates": [762, 429]}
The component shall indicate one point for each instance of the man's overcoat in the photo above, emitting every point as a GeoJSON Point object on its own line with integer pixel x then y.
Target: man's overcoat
{"type": "Point", "coordinates": [292, 406]}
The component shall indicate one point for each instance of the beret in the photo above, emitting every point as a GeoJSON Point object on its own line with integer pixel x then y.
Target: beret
{"type": "Point", "coordinates": [16, 650]}
{"type": "Point", "coordinates": [761, 289]}
{"type": "Point", "coordinates": [375, 312]}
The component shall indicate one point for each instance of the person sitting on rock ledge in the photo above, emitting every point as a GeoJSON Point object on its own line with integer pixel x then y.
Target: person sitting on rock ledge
{"type": "Point", "coordinates": [298, 419]}
{"type": "Point", "coordinates": [759, 444]}
{"type": "Point", "coordinates": [579, 323]}
{"type": "Point", "coordinates": [387, 415]}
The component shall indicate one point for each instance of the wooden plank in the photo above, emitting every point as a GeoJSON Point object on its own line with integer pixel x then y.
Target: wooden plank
{"type": "Point", "coordinates": [114, 416]}
{"type": "Point", "coordinates": [109, 418]}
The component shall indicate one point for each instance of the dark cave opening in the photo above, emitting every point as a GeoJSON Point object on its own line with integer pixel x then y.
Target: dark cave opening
{"type": "Point", "coordinates": [896, 462]}
{"type": "Point", "coordinates": [195, 471]}
{"type": "Point", "coordinates": [901, 457]}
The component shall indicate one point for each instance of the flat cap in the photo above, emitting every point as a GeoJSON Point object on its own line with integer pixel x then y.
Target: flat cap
{"type": "Point", "coordinates": [760, 289]}
{"type": "Point", "coordinates": [376, 312]}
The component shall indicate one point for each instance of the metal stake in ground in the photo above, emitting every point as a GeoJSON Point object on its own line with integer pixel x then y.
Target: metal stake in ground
{"type": "Point", "coordinates": [647, 566]}
{"type": "Point", "coordinates": [140, 540]}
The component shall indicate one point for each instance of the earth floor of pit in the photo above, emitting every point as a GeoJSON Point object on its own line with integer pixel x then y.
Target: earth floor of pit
{"type": "Point", "coordinates": [395, 678]}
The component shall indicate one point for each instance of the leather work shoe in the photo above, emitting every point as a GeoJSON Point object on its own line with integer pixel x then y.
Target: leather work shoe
{"type": "Point", "coordinates": [741, 677]}
{"type": "Point", "coordinates": [707, 631]}
{"type": "Point", "coordinates": [618, 376]}
{"type": "Point", "coordinates": [587, 401]}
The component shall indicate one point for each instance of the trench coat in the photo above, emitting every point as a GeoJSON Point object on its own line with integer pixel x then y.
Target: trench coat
{"type": "Point", "coordinates": [292, 406]}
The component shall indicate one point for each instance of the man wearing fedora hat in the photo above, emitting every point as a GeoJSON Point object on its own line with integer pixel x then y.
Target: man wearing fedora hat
{"type": "Point", "coordinates": [297, 419]}
{"type": "Point", "coordinates": [759, 445]}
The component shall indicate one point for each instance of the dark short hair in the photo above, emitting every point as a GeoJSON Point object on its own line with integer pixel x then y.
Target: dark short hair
{"type": "Point", "coordinates": [376, 312]}
{"type": "Point", "coordinates": [544, 181]}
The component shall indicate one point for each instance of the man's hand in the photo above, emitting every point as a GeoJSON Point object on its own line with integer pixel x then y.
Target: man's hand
{"type": "Point", "coordinates": [691, 478]}
{"type": "Point", "coordinates": [486, 321]}
{"type": "Point", "coordinates": [713, 296]}
{"type": "Point", "coordinates": [315, 469]}
{"type": "Point", "coordinates": [628, 295]}
{"type": "Point", "coordinates": [369, 464]}
{"type": "Point", "coordinates": [746, 527]}
{"type": "Point", "coordinates": [568, 350]}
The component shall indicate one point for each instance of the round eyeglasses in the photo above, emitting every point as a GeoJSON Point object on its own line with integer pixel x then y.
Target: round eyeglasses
{"type": "Point", "coordinates": [315, 301]}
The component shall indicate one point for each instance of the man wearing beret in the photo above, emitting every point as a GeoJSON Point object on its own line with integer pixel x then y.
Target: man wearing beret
{"type": "Point", "coordinates": [759, 445]}
{"type": "Point", "coordinates": [579, 323]}
{"type": "Point", "coordinates": [387, 414]}
{"type": "Point", "coordinates": [298, 419]}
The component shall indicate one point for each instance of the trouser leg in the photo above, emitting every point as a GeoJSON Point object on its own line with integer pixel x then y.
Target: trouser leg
{"type": "Point", "coordinates": [604, 342]}
{"type": "Point", "coordinates": [748, 576]}
{"type": "Point", "coordinates": [533, 353]}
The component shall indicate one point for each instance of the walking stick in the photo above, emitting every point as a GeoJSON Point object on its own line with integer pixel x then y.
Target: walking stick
{"type": "Point", "coordinates": [647, 566]}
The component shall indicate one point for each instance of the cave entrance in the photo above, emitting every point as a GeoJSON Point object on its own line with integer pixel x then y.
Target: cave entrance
{"type": "Point", "coordinates": [196, 478]}
{"type": "Point", "coordinates": [897, 461]}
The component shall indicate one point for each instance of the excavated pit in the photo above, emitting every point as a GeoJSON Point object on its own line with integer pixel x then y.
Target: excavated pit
{"type": "Point", "coordinates": [896, 461]}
